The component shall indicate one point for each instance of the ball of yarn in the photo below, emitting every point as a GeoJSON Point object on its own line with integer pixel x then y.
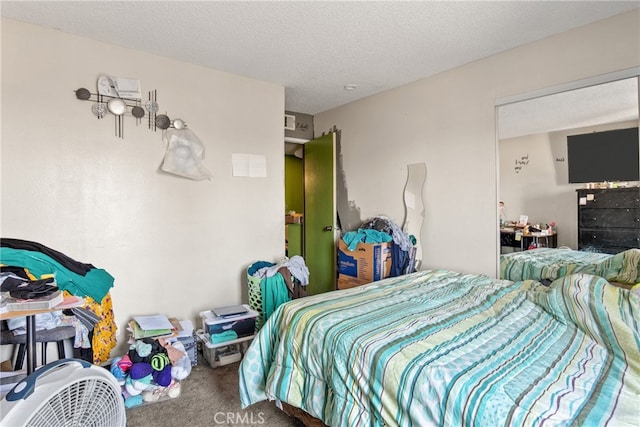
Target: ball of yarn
{"type": "Point", "coordinates": [174, 390]}
{"type": "Point", "coordinates": [140, 370]}
{"type": "Point", "coordinates": [124, 363]}
{"type": "Point", "coordinates": [133, 356]}
{"type": "Point", "coordinates": [159, 361]}
{"type": "Point", "coordinates": [130, 389]}
{"type": "Point", "coordinates": [132, 401]}
{"type": "Point", "coordinates": [115, 369]}
{"type": "Point", "coordinates": [163, 377]}
{"type": "Point", "coordinates": [142, 349]}
{"type": "Point", "coordinates": [142, 383]}
{"type": "Point", "coordinates": [117, 372]}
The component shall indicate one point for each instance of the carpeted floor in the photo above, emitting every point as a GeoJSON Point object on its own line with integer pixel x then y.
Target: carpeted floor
{"type": "Point", "coordinates": [209, 397]}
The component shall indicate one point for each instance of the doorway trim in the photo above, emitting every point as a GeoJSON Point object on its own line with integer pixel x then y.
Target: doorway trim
{"type": "Point", "coordinates": [566, 87]}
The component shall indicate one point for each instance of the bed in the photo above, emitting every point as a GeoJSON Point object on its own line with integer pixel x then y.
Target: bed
{"type": "Point", "coordinates": [445, 348]}
{"type": "Point", "coordinates": [548, 264]}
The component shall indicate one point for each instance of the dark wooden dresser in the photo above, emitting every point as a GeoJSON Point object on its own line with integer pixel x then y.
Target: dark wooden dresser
{"type": "Point", "coordinates": [608, 219]}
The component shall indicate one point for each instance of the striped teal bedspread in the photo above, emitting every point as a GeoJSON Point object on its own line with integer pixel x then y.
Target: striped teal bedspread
{"type": "Point", "coordinates": [438, 348]}
{"type": "Point", "coordinates": [551, 263]}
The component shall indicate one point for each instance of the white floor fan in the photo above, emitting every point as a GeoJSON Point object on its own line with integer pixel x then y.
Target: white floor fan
{"type": "Point", "coordinates": [68, 392]}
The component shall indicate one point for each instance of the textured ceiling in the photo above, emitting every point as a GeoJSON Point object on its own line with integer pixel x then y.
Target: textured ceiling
{"type": "Point", "coordinates": [315, 48]}
{"type": "Point", "coordinates": [595, 105]}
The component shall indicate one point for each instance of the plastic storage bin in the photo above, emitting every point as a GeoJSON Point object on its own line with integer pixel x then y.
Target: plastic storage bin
{"type": "Point", "coordinates": [223, 353]}
{"type": "Point", "coordinates": [223, 329]}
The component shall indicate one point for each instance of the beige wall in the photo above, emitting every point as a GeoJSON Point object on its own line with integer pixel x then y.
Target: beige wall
{"type": "Point", "coordinates": [448, 122]}
{"type": "Point", "coordinates": [178, 247]}
{"type": "Point", "coordinates": [175, 246]}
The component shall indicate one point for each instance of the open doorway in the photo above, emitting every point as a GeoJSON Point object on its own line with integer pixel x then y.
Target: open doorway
{"type": "Point", "coordinates": [294, 198]}
{"type": "Point", "coordinates": [317, 221]}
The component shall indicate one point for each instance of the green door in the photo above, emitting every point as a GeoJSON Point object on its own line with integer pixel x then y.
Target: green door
{"type": "Point", "coordinates": [320, 213]}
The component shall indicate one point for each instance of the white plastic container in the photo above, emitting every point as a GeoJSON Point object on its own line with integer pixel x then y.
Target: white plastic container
{"type": "Point", "coordinates": [224, 329]}
{"type": "Point", "coordinates": [223, 353]}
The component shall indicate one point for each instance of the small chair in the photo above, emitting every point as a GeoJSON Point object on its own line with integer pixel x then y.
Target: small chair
{"type": "Point", "coordinates": [45, 336]}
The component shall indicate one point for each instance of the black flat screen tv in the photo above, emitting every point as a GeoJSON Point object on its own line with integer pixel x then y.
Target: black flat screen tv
{"type": "Point", "coordinates": [604, 156]}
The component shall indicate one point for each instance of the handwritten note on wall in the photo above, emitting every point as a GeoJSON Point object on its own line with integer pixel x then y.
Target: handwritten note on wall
{"type": "Point", "coordinates": [521, 163]}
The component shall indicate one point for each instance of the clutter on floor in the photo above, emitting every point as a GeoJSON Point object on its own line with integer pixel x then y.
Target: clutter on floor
{"type": "Point", "coordinates": [226, 332]}
{"type": "Point", "coordinates": [377, 250]}
{"type": "Point", "coordinates": [272, 284]}
{"type": "Point", "coordinates": [159, 358]}
{"type": "Point", "coordinates": [94, 321]}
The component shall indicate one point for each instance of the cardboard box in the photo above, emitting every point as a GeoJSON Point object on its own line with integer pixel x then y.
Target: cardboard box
{"type": "Point", "coordinates": [346, 282]}
{"type": "Point", "coordinates": [295, 218]}
{"type": "Point", "coordinates": [368, 263]}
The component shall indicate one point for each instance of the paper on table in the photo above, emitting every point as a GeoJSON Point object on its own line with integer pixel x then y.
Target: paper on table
{"type": "Point", "coordinates": [157, 321]}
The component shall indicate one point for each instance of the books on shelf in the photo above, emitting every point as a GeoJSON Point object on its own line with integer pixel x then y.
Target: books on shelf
{"type": "Point", "coordinates": [41, 303]}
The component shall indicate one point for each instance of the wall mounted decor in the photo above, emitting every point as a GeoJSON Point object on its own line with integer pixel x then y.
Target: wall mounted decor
{"type": "Point", "coordinates": [122, 97]}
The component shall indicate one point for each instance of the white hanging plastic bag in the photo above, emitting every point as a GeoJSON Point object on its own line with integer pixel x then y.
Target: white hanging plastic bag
{"type": "Point", "coordinates": [184, 155]}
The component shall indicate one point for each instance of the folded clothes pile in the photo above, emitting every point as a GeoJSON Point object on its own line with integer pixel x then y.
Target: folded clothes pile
{"type": "Point", "coordinates": [40, 266]}
{"type": "Point", "coordinates": [76, 277]}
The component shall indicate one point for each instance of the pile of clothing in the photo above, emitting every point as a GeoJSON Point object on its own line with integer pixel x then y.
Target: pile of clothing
{"type": "Point", "coordinates": [94, 321]}
{"type": "Point", "coordinates": [382, 229]}
{"type": "Point", "coordinates": [78, 278]}
{"type": "Point", "coordinates": [151, 370]}
{"type": "Point", "coordinates": [280, 282]}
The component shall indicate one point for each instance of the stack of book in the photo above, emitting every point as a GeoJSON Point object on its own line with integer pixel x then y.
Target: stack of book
{"type": "Point", "coordinates": [155, 326]}
{"type": "Point", "coordinates": [40, 303]}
